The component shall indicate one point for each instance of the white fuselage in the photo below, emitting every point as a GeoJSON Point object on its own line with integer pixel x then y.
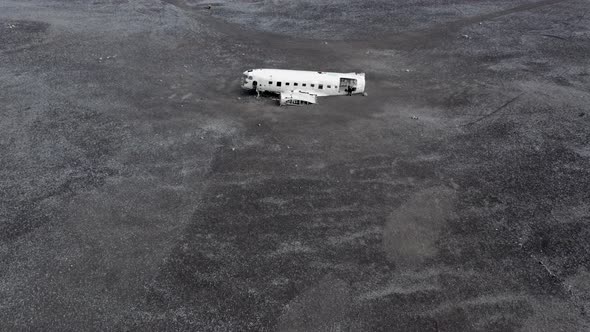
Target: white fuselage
{"type": "Point", "coordinates": [313, 82]}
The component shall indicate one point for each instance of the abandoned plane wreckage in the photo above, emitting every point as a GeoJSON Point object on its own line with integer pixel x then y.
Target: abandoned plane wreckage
{"type": "Point", "coordinates": [299, 87]}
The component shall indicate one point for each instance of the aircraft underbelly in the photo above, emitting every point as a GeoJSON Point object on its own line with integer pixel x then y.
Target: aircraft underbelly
{"type": "Point", "coordinates": [297, 98]}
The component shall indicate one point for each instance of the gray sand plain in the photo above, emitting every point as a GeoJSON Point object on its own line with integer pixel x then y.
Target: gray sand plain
{"type": "Point", "coordinates": [141, 189]}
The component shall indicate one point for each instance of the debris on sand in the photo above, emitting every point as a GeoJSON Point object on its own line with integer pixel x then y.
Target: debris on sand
{"type": "Point", "coordinates": [107, 57]}
{"type": "Point", "coordinates": [413, 117]}
{"type": "Point", "coordinates": [465, 36]}
{"type": "Point", "coordinates": [407, 70]}
{"type": "Point", "coordinates": [365, 94]}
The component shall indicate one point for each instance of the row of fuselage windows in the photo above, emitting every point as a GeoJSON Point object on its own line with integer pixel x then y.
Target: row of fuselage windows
{"type": "Point", "coordinates": [320, 86]}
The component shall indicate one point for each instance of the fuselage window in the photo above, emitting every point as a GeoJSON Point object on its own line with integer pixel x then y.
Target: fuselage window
{"type": "Point", "coordinates": [320, 86]}
{"type": "Point", "coordinates": [295, 84]}
{"type": "Point", "coordinates": [278, 83]}
{"type": "Point", "coordinates": [269, 82]}
{"type": "Point", "coordinates": [286, 83]}
{"type": "Point", "coordinates": [312, 85]}
{"type": "Point", "coordinates": [329, 87]}
{"type": "Point", "coordinates": [303, 84]}
{"type": "Point", "coordinates": [249, 77]}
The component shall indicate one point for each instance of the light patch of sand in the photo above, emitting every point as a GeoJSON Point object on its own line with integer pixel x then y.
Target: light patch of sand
{"type": "Point", "coordinates": [412, 230]}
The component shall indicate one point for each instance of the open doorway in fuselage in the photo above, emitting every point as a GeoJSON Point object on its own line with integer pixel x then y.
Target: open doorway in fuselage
{"type": "Point", "coordinates": [345, 83]}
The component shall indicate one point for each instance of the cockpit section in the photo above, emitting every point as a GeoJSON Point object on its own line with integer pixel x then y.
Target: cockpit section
{"type": "Point", "coordinates": [247, 80]}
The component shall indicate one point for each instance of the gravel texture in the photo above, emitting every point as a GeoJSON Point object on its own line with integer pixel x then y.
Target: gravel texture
{"type": "Point", "coordinates": [141, 189]}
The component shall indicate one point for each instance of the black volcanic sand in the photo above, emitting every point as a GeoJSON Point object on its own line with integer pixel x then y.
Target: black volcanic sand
{"type": "Point", "coordinates": [141, 189]}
